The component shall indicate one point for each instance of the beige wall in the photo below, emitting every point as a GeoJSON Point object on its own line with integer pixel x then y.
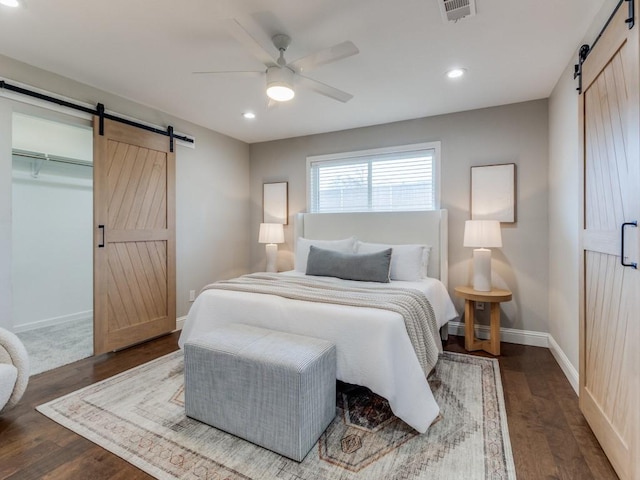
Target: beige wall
{"type": "Point", "coordinates": [515, 133]}
{"type": "Point", "coordinates": [564, 206]}
{"type": "Point", "coordinates": [212, 189]}
{"type": "Point", "coordinates": [564, 215]}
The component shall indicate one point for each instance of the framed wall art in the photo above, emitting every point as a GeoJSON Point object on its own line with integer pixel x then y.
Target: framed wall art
{"type": "Point", "coordinates": [274, 203]}
{"type": "Point", "coordinates": [493, 192]}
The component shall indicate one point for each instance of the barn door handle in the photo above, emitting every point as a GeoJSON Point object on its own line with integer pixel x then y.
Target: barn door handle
{"type": "Point", "coordinates": [101, 244]}
{"type": "Point", "coordinates": [632, 264]}
{"type": "Point", "coordinates": [630, 21]}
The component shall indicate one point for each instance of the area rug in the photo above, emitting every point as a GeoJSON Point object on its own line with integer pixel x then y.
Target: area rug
{"type": "Point", "coordinates": [139, 416]}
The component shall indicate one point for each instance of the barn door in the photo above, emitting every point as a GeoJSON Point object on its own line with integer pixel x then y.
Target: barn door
{"type": "Point", "coordinates": [134, 251]}
{"type": "Point", "coordinates": [609, 334]}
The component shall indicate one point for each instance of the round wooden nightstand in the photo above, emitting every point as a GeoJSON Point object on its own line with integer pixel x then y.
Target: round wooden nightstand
{"type": "Point", "coordinates": [494, 298]}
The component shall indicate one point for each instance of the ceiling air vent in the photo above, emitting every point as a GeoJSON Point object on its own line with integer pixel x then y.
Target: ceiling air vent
{"type": "Point", "coordinates": [454, 10]}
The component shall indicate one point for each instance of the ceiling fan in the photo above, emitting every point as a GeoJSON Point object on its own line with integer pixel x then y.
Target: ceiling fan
{"type": "Point", "coordinates": [281, 76]}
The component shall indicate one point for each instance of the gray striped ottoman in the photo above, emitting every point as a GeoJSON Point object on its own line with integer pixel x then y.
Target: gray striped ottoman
{"type": "Point", "coordinates": [275, 389]}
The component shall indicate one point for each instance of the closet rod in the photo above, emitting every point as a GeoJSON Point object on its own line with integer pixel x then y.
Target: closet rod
{"type": "Point", "coordinates": [50, 158]}
{"type": "Point", "coordinates": [94, 111]}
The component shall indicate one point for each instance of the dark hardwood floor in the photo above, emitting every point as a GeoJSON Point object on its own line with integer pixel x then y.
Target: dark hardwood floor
{"type": "Point", "coordinates": [549, 437]}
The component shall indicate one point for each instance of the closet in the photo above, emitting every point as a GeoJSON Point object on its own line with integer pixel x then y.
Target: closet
{"type": "Point", "coordinates": [94, 231]}
{"type": "Point", "coordinates": [52, 198]}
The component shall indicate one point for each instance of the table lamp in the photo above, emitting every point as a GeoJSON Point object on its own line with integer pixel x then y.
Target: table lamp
{"type": "Point", "coordinates": [271, 234]}
{"type": "Point", "coordinates": [482, 235]}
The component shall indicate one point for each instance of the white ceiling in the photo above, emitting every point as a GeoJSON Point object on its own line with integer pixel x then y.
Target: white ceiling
{"type": "Point", "coordinates": [145, 50]}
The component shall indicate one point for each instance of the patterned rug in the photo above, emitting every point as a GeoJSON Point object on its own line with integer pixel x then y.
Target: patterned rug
{"type": "Point", "coordinates": [139, 416]}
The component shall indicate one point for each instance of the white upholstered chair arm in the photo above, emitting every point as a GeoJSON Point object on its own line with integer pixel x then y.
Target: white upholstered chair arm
{"type": "Point", "coordinates": [8, 377]}
{"type": "Point", "coordinates": [13, 353]}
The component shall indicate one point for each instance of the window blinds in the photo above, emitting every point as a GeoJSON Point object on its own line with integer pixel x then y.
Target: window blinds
{"type": "Point", "coordinates": [399, 181]}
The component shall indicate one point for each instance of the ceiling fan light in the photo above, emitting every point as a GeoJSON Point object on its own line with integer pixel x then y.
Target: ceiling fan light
{"type": "Point", "coordinates": [280, 93]}
{"type": "Point", "coordinates": [280, 84]}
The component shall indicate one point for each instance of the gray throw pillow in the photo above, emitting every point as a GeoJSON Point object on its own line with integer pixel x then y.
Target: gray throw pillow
{"type": "Point", "coordinates": [367, 267]}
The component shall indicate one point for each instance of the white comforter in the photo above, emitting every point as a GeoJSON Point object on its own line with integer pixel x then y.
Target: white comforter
{"type": "Point", "coordinates": [373, 347]}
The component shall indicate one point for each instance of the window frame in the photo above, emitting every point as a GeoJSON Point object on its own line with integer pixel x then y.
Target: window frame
{"type": "Point", "coordinates": [355, 154]}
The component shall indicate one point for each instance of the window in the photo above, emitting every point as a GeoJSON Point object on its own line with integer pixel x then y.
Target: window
{"type": "Point", "coordinates": [382, 180]}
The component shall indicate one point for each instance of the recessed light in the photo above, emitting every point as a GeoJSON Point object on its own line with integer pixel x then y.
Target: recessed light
{"type": "Point", "coordinates": [249, 115]}
{"type": "Point", "coordinates": [10, 3]}
{"type": "Point", "coordinates": [456, 72]}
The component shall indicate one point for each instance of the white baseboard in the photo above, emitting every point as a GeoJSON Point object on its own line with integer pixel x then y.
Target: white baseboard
{"type": "Point", "coordinates": [569, 370]}
{"type": "Point", "coordinates": [47, 322]}
{"type": "Point", "coordinates": [180, 323]}
{"type": "Point", "coordinates": [509, 335]}
{"type": "Point", "coordinates": [527, 337]}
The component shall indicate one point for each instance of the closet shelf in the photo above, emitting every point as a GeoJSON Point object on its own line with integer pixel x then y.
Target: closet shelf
{"type": "Point", "coordinates": [37, 160]}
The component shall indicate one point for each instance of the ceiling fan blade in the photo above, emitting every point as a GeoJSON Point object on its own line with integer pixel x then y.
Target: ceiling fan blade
{"type": "Point", "coordinates": [244, 73]}
{"type": "Point", "coordinates": [249, 41]}
{"type": "Point", "coordinates": [323, 89]}
{"type": "Point", "coordinates": [328, 55]}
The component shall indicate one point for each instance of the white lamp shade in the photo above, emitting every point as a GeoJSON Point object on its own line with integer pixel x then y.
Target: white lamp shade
{"type": "Point", "coordinates": [271, 233]}
{"type": "Point", "coordinates": [482, 234]}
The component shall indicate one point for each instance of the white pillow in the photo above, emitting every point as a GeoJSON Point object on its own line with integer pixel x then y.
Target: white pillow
{"type": "Point", "coordinates": [303, 245]}
{"type": "Point", "coordinates": [408, 262]}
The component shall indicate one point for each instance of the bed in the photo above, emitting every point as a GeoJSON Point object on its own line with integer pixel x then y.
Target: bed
{"type": "Point", "coordinates": [373, 346]}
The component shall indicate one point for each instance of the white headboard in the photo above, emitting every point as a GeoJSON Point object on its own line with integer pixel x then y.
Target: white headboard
{"type": "Point", "coordinates": [383, 227]}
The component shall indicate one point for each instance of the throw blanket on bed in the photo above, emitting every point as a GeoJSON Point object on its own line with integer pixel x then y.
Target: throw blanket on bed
{"type": "Point", "coordinates": [419, 318]}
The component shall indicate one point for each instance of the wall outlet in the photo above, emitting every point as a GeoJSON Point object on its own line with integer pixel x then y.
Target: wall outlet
{"type": "Point", "coordinates": [479, 305]}
{"type": "Point", "coordinates": [192, 295]}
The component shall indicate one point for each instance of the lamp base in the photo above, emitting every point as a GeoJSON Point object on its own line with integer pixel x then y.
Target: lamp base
{"type": "Point", "coordinates": [482, 269]}
{"type": "Point", "coordinates": [272, 257]}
